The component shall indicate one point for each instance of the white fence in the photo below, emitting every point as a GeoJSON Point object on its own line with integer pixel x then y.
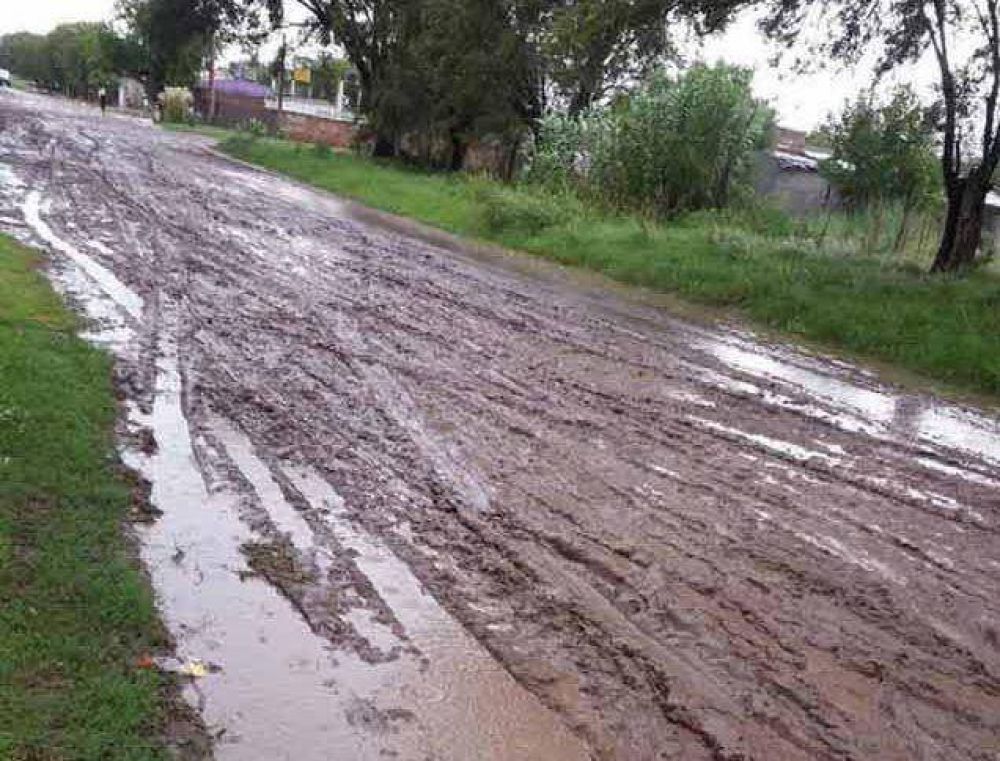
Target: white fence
{"type": "Point", "coordinates": [322, 109]}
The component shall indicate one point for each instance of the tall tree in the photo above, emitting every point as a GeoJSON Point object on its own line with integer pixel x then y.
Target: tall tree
{"type": "Point", "coordinates": [73, 58]}
{"type": "Point", "coordinates": [507, 48]}
{"type": "Point", "coordinates": [178, 34]}
{"type": "Point", "coordinates": [462, 70]}
{"type": "Point", "coordinates": [368, 30]}
{"type": "Point", "coordinates": [963, 37]}
{"type": "Point", "coordinates": [592, 45]}
{"type": "Point", "coordinates": [883, 151]}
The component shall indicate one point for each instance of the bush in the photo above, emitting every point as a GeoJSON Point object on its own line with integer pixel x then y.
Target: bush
{"type": "Point", "coordinates": [519, 212]}
{"type": "Point", "coordinates": [558, 150]}
{"type": "Point", "coordinates": [175, 103]}
{"type": "Point", "coordinates": [675, 144]}
{"type": "Point", "coordinates": [254, 128]}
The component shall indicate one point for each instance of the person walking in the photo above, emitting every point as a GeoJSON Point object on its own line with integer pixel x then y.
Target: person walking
{"type": "Point", "coordinates": [102, 96]}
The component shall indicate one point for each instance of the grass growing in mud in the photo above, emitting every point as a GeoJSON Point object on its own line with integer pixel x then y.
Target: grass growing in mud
{"type": "Point", "coordinates": [947, 328]}
{"type": "Point", "coordinates": [74, 611]}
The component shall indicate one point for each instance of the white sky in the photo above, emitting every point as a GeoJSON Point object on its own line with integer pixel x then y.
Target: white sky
{"type": "Point", "coordinates": [801, 101]}
{"type": "Point", "coordinates": [41, 15]}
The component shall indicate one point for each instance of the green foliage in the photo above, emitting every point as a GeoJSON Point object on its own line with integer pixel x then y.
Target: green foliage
{"type": "Point", "coordinates": [589, 47]}
{"type": "Point", "coordinates": [176, 36]}
{"type": "Point", "coordinates": [75, 59]}
{"type": "Point", "coordinates": [884, 152]}
{"type": "Point", "coordinates": [560, 147]}
{"type": "Point", "coordinates": [675, 144]}
{"type": "Point", "coordinates": [74, 611]}
{"type": "Point", "coordinates": [321, 150]}
{"type": "Point", "coordinates": [461, 74]}
{"type": "Point", "coordinates": [176, 104]}
{"type": "Point", "coordinates": [328, 72]}
{"type": "Point", "coordinates": [508, 210]}
{"type": "Point", "coordinates": [254, 127]}
{"type": "Point", "coordinates": [450, 73]}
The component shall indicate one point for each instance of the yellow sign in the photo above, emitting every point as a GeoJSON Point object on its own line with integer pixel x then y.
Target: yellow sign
{"type": "Point", "coordinates": [302, 75]}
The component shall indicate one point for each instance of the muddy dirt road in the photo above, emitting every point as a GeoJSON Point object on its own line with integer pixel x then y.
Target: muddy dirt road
{"type": "Point", "coordinates": [422, 505]}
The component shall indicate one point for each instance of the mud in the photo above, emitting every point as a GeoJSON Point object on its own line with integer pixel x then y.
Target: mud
{"type": "Point", "coordinates": [420, 503]}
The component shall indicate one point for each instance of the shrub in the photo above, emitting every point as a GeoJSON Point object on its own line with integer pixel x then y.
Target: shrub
{"type": "Point", "coordinates": [675, 144]}
{"type": "Point", "coordinates": [254, 128]}
{"type": "Point", "coordinates": [176, 104]}
{"type": "Point", "coordinates": [517, 211]}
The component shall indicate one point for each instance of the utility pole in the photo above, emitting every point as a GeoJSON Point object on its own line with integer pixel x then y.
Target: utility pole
{"type": "Point", "coordinates": [211, 80]}
{"type": "Point", "coordinates": [281, 75]}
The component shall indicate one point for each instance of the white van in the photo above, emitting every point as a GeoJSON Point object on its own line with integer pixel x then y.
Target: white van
{"type": "Point", "coordinates": [4, 78]}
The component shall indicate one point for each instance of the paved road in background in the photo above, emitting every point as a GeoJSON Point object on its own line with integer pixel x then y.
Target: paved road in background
{"type": "Point", "coordinates": [424, 504]}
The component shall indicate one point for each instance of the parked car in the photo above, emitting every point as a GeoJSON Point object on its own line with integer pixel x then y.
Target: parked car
{"type": "Point", "coordinates": [4, 78]}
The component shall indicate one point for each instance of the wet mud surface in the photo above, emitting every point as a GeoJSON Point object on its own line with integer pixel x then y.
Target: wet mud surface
{"type": "Point", "coordinates": [417, 504]}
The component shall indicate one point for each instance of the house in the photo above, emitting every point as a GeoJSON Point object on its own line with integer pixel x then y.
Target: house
{"type": "Point", "coordinates": [789, 175]}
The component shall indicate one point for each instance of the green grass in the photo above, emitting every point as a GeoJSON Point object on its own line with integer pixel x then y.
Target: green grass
{"type": "Point", "coordinates": [219, 133]}
{"type": "Point", "coordinates": [74, 611]}
{"type": "Point", "coordinates": [946, 328]}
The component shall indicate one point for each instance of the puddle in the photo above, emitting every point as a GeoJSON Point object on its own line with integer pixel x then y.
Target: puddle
{"type": "Point", "coordinates": [275, 694]}
{"type": "Point", "coordinates": [856, 408]}
{"type": "Point", "coordinates": [962, 473]}
{"type": "Point", "coordinates": [957, 429]}
{"type": "Point", "coordinates": [102, 298]}
{"type": "Point", "coordinates": [453, 702]}
{"type": "Point", "coordinates": [872, 404]}
{"type": "Point", "coordinates": [124, 296]}
{"type": "Point", "coordinates": [8, 178]}
{"type": "Point", "coordinates": [467, 705]}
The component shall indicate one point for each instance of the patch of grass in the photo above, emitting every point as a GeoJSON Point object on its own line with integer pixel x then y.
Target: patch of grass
{"type": "Point", "coordinates": [74, 611]}
{"type": "Point", "coordinates": [208, 130]}
{"type": "Point", "coordinates": [760, 263]}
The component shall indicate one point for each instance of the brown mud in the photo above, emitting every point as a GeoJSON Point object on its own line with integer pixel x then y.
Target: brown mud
{"type": "Point", "coordinates": [425, 504]}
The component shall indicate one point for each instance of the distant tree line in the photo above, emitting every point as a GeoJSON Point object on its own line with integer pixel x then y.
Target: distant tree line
{"type": "Point", "coordinates": [436, 77]}
{"type": "Point", "coordinates": [74, 59]}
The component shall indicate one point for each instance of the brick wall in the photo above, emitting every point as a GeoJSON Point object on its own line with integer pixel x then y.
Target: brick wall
{"type": "Point", "coordinates": [233, 110]}
{"type": "Point", "coordinates": [312, 129]}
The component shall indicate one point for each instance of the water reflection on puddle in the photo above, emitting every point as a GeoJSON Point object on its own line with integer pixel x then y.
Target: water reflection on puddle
{"type": "Point", "coordinates": [852, 406]}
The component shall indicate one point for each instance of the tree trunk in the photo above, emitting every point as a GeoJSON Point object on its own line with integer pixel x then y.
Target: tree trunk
{"type": "Point", "coordinates": [904, 228]}
{"type": "Point", "coordinates": [963, 227]}
{"type": "Point", "coordinates": [385, 146]}
{"type": "Point", "coordinates": [458, 149]}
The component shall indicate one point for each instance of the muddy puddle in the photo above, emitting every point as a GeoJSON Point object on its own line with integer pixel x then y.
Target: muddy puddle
{"type": "Point", "coordinates": [125, 297]}
{"type": "Point", "coordinates": [853, 404]}
{"type": "Point", "coordinates": [276, 691]}
{"type": "Point", "coordinates": [442, 696]}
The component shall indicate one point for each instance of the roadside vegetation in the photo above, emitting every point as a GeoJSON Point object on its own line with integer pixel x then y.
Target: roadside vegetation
{"type": "Point", "coordinates": [75, 613]}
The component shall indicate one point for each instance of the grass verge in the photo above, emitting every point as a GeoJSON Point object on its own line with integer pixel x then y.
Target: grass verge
{"type": "Point", "coordinates": [945, 328]}
{"type": "Point", "coordinates": [208, 130]}
{"type": "Point", "coordinates": [74, 611]}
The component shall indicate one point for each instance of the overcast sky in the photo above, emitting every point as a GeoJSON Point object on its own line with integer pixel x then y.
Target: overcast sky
{"type": "Point", "coordinates": [802, 101]}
